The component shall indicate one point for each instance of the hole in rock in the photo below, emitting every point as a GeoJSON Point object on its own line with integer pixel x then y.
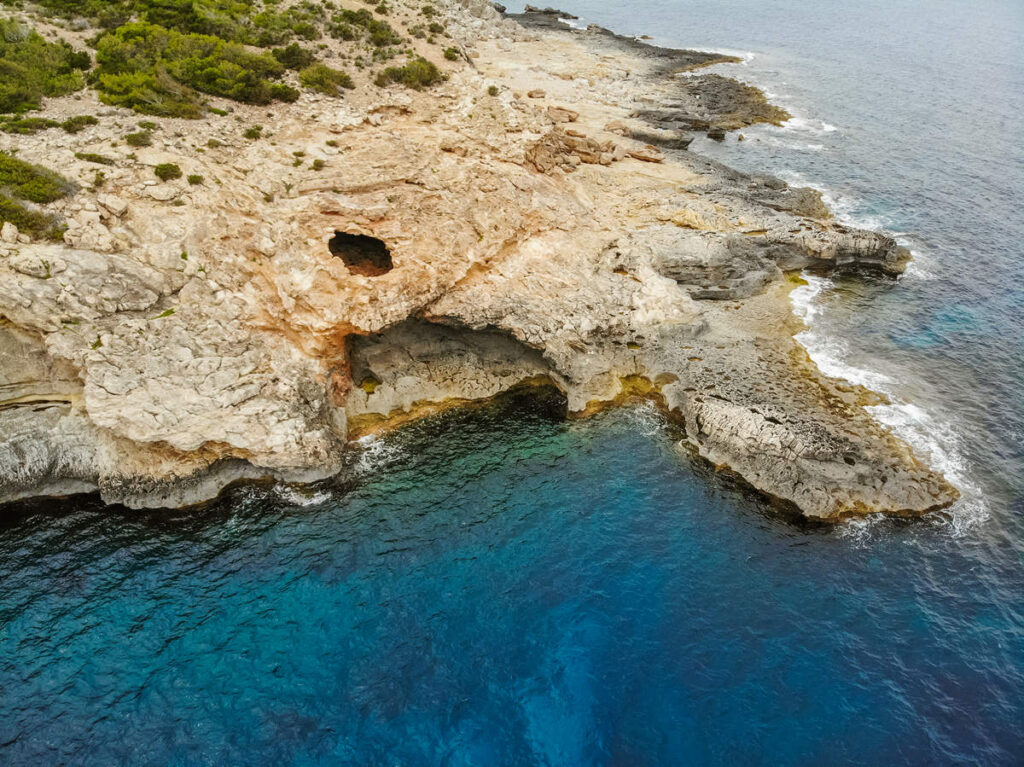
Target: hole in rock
{"type": "Point", "coordinates": [362, 254]}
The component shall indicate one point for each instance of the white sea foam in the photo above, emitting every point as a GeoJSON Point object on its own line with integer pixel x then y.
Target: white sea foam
{"type": "Point", "coordinates": [375, 453]}
{"type": "Point", "coordinates": [800, 124]}
{"type": "Point", "coordinates": [297, 497]}
{"type": "Point", "coordinates": [574, 23]}
{"type": "Point", "coordinates": [933, 439]}
{"type": "Point", "coordinates": [647, 419]}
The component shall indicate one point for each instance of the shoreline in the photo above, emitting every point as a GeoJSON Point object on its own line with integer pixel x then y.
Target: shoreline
{"type": "Point", "coordinates": [579, 252]}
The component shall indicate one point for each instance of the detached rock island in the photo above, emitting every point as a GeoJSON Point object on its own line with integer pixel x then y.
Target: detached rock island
{"type": "Point", "coordinates": [236, 240]}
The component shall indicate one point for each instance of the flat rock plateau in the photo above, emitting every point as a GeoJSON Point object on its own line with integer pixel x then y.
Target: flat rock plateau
{"type": "Point", "coordinates": [536, 218]}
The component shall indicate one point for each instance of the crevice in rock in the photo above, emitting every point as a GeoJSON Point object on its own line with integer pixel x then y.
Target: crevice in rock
{"type": "Point", "coordinates": [361, 253]}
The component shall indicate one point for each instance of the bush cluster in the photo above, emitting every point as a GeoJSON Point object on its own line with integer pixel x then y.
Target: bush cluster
{"type": "Point", "coordinates": [93, 157]}
{"type": "Point", "coordinates": [355, 25]}
{"type": "Point", "coordinates": [28, 125]}
{"type": "Point", "coordinates": [142, 138]}
{"type": "Point", "coordinates": [28, 221]}
{"type": "Point", "coordinates": [167, 171]}
{"type": "Point", "coordinates": [294, 56]}
{"type": "Point", "coordinates": [78, 123]}
{"type": "Point", "coordinates": [320, 77]}
{"type": "Point", "coordinates": [25, 181]}
{"type": "Point", "coordinates": [418, 74]}
{"type": "Point", "coordinates": [21, 180]}
{"type": "Point", "coordinates": [242, 21]}
{"type": "Point", "coordinates": [158, 71]}
{"type": "Point", "coordinates": [163, 57]}
{"type": "Point", "coordinates": [31, 68]}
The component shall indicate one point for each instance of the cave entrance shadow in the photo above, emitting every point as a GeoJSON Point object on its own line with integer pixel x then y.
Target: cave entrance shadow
{"type": "Point", "coordinates": [362, 254]}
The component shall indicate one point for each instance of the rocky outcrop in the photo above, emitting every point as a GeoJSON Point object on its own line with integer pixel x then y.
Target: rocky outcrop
{"type": "Point", "coordinates": [449, 245]}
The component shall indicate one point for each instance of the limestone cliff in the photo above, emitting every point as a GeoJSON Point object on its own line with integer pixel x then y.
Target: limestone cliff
{"type": "Point", "coordinates": [514, 223]}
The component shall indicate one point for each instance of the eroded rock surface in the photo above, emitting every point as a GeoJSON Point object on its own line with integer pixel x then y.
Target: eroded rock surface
{"type": "Point", "coordinates": [187, 338]}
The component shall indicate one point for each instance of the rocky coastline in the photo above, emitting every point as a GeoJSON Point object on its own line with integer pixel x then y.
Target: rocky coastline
{"type": "Point", "coordinates": [535, 218]}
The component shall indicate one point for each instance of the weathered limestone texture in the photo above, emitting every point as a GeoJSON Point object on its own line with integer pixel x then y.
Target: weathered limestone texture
{"type": "Point", "coordinates": [187, 336]}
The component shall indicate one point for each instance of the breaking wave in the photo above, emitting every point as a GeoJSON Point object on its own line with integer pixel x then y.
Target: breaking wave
{"type": "Point", "coordinates": [934, 440]}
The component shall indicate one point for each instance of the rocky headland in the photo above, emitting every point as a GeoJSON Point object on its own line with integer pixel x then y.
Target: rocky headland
{"type": "Point", "coordinates": [534, 218]}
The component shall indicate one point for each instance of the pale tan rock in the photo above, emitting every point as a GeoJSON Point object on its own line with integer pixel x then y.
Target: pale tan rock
{"type": "Point", "coordinates": [163, 192]}
{"type": "Point", "coordinates": [187, 345]}
{"type": "Point", "coordinates": [115, 205]}
{"type": "Point", "coordinates": [563, 115]}
{"type": "Point", "coordinates": [647, 154]}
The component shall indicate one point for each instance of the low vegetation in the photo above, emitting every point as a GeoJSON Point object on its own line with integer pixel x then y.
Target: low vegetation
{"type": "Point", "coordinates": [321, 78]}
{"type": "Point", "coordinates": [28, 125]}
{"type": "Point", "coordinates": [294, 56]}
{"type": "Point", "coordinates": [96, 158]}
{"type": "Point", "coordinates": [78, 123]}
{"type": "Point", "coordinates": [167, 171]}
{"type": "Point", "coordinates": [418, 74]}
{"type": "Point", "coordinates": [142, 138]}
{"type": "Point", "coordinates": [361, 25]}
{"type": "Point", "coordinates": [31, 68]}
{"type": "Point", "coordinates": [162, 72]}
{"type": "Point", "coordinates": [25, 181]}
{"type": "Point", "coordinates": [167, 57]}
{"type": "Point", "coordinates": [30, 222]}
{"type": "Point", "coordinates": [22, 182]}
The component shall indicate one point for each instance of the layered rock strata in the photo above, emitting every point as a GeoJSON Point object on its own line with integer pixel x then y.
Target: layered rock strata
{"type": "Point", "coordinates": [187, 336]}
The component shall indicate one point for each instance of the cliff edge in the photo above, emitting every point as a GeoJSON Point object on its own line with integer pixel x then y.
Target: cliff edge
{"type": "Point", "coordinates": [534, 216]}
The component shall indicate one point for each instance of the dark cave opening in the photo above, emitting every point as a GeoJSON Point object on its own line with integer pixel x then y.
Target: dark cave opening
{"type": "Point", "coordinates": [362, 254]}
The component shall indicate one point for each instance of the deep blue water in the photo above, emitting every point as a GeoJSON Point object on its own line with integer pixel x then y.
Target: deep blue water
{"type": "Point", "coordinates": [497, 586]}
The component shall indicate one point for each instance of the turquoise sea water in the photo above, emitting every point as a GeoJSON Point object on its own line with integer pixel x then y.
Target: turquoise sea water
{"type": "Point", "coordinates": [499, 587]}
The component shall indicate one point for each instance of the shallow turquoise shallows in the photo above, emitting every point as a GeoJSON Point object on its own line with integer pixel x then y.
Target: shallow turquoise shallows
{"type": "Point", "coordinates": [497, 586]}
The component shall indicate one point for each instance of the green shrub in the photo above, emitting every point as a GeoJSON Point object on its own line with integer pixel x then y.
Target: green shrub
{"type": "Point", "coordinates": [28, 125]}
{"type": "Point", "coordinates": [435, 28]}
{"type": "Point", "coordinates": [160, 71]}
{"type": "Point", "coordinates": [282, 92]}
{"type": "Point", "coordinates": [492, 90]}
{"type": "Point", "coordinates": [220, 112]}
{"type": "Point", "coordinates": [418, 73]}
{"type": "Point", "coordinates": [31, 68]}
{"type": "Point", "coordinates": [167, 171]}
{"type": "Point", "coordinates": [318, 164]}
{"type": "Point", "coordinates": [78, 123]}
{"type": "Point", "coordinates": [452, 54]}
{"type": "Point", "coordinates": [149, 125]}
{"type": "Point", "coordinates": [294, 56]}
{"type": "Point", "coordinates": [254, 132]}
{"type": "Point", "coordinates": [29, 222]}
{"type": "Point", "coordinates": [195, 179]}
{"type": "Point", "coordinates": [25, 181]}
{"type": "Point", "coordinates": [214, 143]}
{"type": "Point", "coordinates": [142, 138]}
{"type": "Point", "coordinates": [321, 78]}
{"type": "Point", "coordinates": [96, 158]}
{"type": "Point", "coordinates": [99, 179]}
{"type": "Point", "coordinates": [353, 25]}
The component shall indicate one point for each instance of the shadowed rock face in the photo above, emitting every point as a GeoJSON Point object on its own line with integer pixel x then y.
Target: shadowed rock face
{"type": "Point", "coordinates": [168, 348]}
{"type": "Point", "coordinates": [418, 365]}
